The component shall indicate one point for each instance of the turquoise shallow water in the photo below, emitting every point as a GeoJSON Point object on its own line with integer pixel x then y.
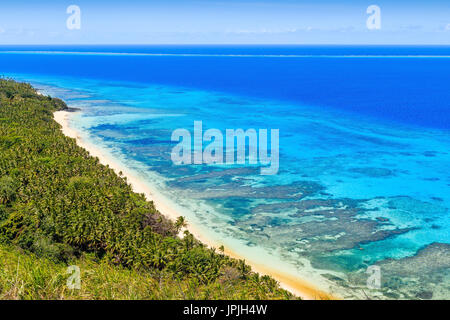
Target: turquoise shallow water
{"type": "Point", "coordinates": [352, 190]}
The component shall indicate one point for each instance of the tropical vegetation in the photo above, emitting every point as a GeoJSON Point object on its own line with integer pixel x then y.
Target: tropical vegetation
{"type": "Point", "coordinates": [59, 206]}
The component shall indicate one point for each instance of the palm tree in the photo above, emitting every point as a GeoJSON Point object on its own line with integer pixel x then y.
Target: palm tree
{"type": "Point", "coordinates": [8, 189]}
{"type": "Point", "coordinates": [180, 223]}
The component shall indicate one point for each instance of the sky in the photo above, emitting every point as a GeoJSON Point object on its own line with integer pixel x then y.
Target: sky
{"type": "Point", "coordinates": [225, 22]}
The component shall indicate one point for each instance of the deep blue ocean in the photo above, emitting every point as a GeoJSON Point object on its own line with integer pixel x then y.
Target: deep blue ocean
{"type": "Point", "coordinates": [364, 173]}
{"type": "Point", "coordinates": [407, 90]}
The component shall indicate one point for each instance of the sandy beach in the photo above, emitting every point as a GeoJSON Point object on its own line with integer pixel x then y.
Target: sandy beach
{"type": "Point", "coordinates": [291, 283]}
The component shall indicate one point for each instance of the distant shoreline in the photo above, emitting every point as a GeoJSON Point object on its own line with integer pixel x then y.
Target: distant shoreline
{"type": "Point", "coordinates": [297, 286]}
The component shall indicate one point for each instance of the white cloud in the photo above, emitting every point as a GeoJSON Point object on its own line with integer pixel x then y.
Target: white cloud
{"type": "Point", "coordinates": [262, 31]}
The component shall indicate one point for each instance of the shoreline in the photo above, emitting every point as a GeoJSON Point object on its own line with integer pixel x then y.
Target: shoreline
{"type": "Point", "coordinates": [297, 286]}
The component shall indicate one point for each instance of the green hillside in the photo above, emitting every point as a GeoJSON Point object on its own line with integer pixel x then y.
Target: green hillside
{"type": "Point", "coordinates": [59, 206]}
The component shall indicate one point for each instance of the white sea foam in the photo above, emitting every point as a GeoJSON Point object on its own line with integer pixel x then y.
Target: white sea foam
{"type": "Point", "coordinates": [352, 56]}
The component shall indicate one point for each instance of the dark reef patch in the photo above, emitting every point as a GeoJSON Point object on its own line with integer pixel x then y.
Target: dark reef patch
{"type": "Point", "coordinates": [425, 275]}
{"type": "Point", "coordinates": [318, 226]}
{"type": "Point", "coordinates": [373, 172]}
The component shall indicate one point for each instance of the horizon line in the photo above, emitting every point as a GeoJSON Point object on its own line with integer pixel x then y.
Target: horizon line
{"type": "Point", "coordinates": [231, 44]}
